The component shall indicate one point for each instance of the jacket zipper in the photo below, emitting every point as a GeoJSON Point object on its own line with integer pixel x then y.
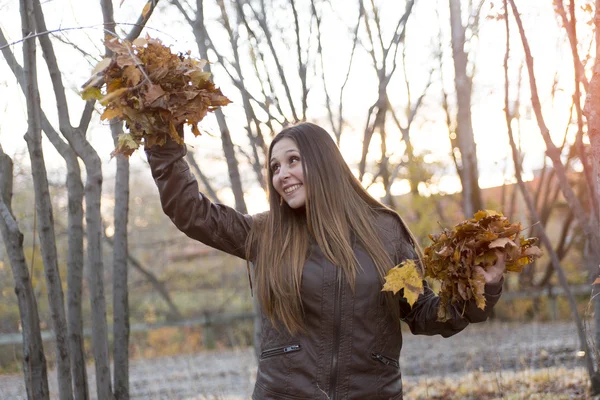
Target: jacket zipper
{"type": "Point", "coordinates": [385, 360]}
{"type": "Point", "coordinates": [279, 350]}
{"type": "Point", "coordinates": [337, 314]}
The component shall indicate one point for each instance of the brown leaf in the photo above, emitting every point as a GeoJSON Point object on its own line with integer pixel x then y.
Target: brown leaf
{"type": "Point", "coordinates": [153, 93]}
{"type": "Point", "coordinates": [533, 251]}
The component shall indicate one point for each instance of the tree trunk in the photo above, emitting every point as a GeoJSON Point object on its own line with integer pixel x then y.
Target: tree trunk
{"type": "Point", "coordinates": [592, 112]}
{"type": "Point", "coordinates": [120, 274]}
{"type": "Point", "coordinates": [464, 131]}
{"type": "Point", "coordinates": [45, 217]}
{"type": "Point", "coordinates": [34, 361]}
{"type": "Point", "coordinates": [120, 252]}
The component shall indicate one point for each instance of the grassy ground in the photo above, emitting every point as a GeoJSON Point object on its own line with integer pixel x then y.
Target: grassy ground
{"type": "Point", "coordinates": [549, 383]}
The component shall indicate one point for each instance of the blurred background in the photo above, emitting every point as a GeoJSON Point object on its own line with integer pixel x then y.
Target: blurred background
{"type": "Point", "coordinates": [440, 107]}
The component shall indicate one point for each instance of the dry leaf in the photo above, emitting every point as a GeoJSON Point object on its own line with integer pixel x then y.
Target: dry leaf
{"type": "Point", "coordinates": [405, 276]}
{"type": "Point", "coordinates": [454, 253]}
{"type": "Point", "coordinates": [152, 90]}
{"type": "Point", "coordinates": [501, 242]}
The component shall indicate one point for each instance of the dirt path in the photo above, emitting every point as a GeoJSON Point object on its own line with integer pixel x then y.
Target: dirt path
{"type": "Point", "coordinates": [230, 374]}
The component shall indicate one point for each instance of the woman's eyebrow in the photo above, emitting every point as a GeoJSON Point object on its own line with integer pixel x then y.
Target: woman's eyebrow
{"type": "Point", "coordinates": [287, 151]}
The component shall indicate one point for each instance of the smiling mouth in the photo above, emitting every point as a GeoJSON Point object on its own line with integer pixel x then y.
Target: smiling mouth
{"type": "Point", "coordinates": [292, 189]}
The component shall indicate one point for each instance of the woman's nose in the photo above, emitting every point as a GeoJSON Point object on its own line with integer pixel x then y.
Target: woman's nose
{"type": "Point", "coordinates": [284, 172]}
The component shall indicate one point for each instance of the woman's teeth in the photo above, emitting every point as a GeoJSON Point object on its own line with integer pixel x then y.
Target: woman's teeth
{"type": "Point", "coordinates": [291, 189]}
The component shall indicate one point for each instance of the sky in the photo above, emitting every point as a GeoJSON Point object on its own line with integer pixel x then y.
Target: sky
{"type": "Point", "coordinates": [429, 132]}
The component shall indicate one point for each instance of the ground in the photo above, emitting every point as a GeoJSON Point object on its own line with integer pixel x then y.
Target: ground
{"type": "Point", "coordinates": [486, 361]}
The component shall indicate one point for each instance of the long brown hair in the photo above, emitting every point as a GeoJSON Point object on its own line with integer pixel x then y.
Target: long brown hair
{"type": "Point", "coordinates": [336, 206]}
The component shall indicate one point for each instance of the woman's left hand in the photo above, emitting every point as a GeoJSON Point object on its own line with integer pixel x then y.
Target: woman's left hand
{"type": "Point", "coordinates": [494, 273]}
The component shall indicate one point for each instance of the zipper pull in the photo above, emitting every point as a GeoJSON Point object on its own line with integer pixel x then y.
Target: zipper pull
{"type": "Point", "coordinates": [380, 358]}
{"type": "Point", "coordinates": [291, 348]}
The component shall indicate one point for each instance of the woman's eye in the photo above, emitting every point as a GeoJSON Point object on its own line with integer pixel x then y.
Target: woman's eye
{"type": "Point", "coordinates": [274, 168]}
{"type": "Point", "coordinates": [294, 159]}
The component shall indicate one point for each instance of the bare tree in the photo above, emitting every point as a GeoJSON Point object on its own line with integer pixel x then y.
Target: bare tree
{"type": "Point", "coordinates": [45, 215]}
{"type": "Point", "coordinates": [592, 111]}
{"type": "Point", "coordinates": [469, 174]}
{"type": "Point", "coordinates": [34, 361]}
{"type": "Point", "coordinates": [589, 227]}
{"type": "Point", "coordinates": [385, 66]}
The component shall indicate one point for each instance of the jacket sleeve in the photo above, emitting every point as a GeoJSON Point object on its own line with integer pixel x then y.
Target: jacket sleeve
{"type": "Point", "coordinates": [215, 225]}
{"type": "Point", "coordinates": [422, 316]}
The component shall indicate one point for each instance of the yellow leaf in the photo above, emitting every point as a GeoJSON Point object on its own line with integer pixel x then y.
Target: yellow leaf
{"type": "Point", "coordinates": [492, 213]}
{"type": "Point", "coordinates": [91, 93]}
{"type": "Point", "coordinates": [146, 9]}
{"type": "Point", "coordinates": [597, 281]}
{"type": "Point", "coordinates": [479, 215]}
{"type": "Point", "coordinates": [405, 276]}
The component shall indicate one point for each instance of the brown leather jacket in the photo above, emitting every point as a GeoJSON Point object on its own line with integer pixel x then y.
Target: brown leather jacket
{"type": "Point", "coordinates": [351, 346]}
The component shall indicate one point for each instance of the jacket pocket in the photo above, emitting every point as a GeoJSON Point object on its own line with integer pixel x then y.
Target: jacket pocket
{"type": "Point", "coordinates": [277, 351]}
{"type": "Point", "coordinates": [385, 360]}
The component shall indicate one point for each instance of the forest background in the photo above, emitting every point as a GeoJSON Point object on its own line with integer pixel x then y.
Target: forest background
{"type": "Point", "coordinates": [437, 113]}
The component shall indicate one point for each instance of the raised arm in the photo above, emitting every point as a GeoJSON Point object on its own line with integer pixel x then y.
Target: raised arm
{"type": "Point", "coordinates": [215, 225]}
{"type": "Point", "coordinates": [422, 316]}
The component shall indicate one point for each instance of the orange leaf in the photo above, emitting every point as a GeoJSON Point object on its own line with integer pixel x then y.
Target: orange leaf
{"type": "Point", "coordinates": [146, 9]}
{"type": "Point", "coordinates": [111, 113]}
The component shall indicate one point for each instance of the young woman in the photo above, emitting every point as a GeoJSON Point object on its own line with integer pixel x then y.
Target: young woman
{"type": "Point", "coordinates": [320, 254]}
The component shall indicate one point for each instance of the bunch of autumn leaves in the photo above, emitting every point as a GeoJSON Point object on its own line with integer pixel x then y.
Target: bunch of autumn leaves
{"type": "Point", "coordinates": [153, 90]}
{"type": "Point", "coordinates": [455, 253]}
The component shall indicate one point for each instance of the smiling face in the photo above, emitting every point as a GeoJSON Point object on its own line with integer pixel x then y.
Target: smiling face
{"type": "Point", "coordinates": [288, 176]}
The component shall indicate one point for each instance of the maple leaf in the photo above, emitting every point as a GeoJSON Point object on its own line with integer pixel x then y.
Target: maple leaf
{"type": "Point", "coordinates": [405, 276]}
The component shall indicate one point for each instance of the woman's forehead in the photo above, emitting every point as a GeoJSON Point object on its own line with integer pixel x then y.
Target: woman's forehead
{"type": "Point", "coordinates": [282, 147]}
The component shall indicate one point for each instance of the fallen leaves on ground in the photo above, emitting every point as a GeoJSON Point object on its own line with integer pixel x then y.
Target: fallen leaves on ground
{"type": "Point", "coordinates": [455, 254]}
{"type": "Point", "coordinates": [153, 90]}
{"type": "Point", "coordinates": [549, 383]}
